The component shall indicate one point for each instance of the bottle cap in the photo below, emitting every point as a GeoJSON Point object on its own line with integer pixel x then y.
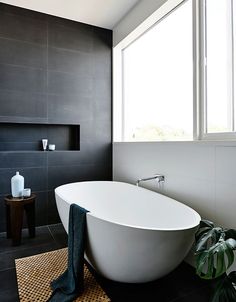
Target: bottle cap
{"type": "Point", "coordinates": [17, 173]}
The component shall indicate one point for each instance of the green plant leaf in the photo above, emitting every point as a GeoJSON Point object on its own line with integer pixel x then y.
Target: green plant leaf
{"type": "Point", "coordinates": [225, 291]}
{"type": "Point", "coordinates": [213, 235]}
{"type": "Point", "coordinates": [206, 223]}
{"type": "Point", "coordinates": [205, 264]}
{"type": "Point", "coordinates": [220, 267]}
{"type": "Point", "coordinates": [204, 226]}
{"type": "Point", "coordinates": [214, 254]}
{"type": "Point", "coordinates": [201, 260]}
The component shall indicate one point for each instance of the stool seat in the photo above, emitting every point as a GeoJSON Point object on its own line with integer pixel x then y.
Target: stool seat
{"type": "Point", "coordinates": [15, 208]}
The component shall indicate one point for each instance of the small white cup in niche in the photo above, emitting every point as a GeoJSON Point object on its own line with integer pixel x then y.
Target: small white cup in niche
{"type": "Point", "coordinates": [52, 147]}
{"type": "Point", "coordinates": [45, 143]}
{"type": "Point", "coordinates": [27, 192]}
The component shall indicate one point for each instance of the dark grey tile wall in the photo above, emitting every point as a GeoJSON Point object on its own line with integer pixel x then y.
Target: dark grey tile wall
{"type": "Point", "coordinates": [53, 70]}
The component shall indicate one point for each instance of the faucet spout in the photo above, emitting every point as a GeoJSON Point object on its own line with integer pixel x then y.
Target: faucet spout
{"type": "Point", "coordinates": [160, 178]}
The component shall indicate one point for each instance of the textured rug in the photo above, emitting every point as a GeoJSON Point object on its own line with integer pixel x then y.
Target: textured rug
{"type": "Point", "coordinates": [35, 273]}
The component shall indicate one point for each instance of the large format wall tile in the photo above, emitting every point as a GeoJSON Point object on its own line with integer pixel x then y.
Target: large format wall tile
{"type": "Point", "coordinates": [68, 35]}
{"type": "Point", "coordinates": [22, 159]}
{"type": "Point", "coordinates": [69, 61]}
{"type": "Point", "coordinates": [21, 28]}
{"type": "Point", "coordinates": [182, 159]}
{"type": "Point", "coordinates": [102, 53]}
{"type": "Point", "coordinates": [72, 158]}
{"type": "Point", "coordinates": [24, 54]}
{"type": "Point", "coordinates": [22, 79]}
{"type": "Point", "coordinates": [225, 204]}
{"type": "Point", "coordinates": [23, 104]}
{"type": "Point", "coordinates": [52, 70]}
{"type": "Point", "coordinates": [2, 214]}
{"type": "Point", "coordinates": [52, 213]}
{"type": "Point", "coordinates": [225, 165]}
{"type": "Point", "coordinates": [41, 209]}
{"type": "Point", "coordinates": [199, 174]}
{"type": "Point", "coordinates": [63, 108]}
{"type": "Point", "coordinates": [225, 191]}
{"type": "Point", "coordinates": [68, 83]}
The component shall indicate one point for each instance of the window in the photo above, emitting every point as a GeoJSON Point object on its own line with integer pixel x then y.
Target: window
{"type": "Point", "coordinates": [157, 81]}
{"type": "Point", "coordinates": [175, 79]}
{"type": "Point", "coordinates": [219, 84]}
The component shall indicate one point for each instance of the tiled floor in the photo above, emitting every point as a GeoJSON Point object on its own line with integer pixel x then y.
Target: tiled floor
{"type": "Point", "coordinates": [180, 286]}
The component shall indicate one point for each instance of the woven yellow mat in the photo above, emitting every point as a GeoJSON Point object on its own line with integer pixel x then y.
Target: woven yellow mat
{"type": "Point", "coordinates": [35, 273]}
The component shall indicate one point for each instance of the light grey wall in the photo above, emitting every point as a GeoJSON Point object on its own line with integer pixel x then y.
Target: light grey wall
{"type": "Point", "coordinates": [199, 174]}
{"type": "Point", "coordinates": [141, 11]}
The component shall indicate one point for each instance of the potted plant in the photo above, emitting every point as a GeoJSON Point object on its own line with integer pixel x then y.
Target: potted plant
{"type": "Point", "coordinates": [214, 255]}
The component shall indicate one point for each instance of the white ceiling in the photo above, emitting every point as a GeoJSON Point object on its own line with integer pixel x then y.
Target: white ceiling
{"type": "Point", "coordinates": [102, 13]}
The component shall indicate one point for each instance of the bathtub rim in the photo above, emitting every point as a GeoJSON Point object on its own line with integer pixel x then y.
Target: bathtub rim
{"type": "Point", "coordinates": [196, 215]}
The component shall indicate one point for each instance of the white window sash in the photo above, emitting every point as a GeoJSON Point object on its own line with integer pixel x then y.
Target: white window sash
{"type": "Point", "coordinates": [200, 14]}
{"type": "Point", "coordinates": [199, 72]}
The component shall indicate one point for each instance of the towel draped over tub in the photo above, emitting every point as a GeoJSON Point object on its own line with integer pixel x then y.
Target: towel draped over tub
{"type": "Point", "coordinates": [70, 284]}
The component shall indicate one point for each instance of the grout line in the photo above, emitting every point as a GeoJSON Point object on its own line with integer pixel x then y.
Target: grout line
{"type": "Point", "coordinates": [27, 248]}
{"type": "Point", "coordinates": [83, 52]}
{"type": "Point", "coordinates": [23, 248]}
{"type": "Point", "coordinates": [51, 234]}
{"type": "Point", "coordinates": [25, 92]}
{"type": "Point", "coordinates": [215, 214]}
{"type": "Point", "coordinates": [24, 66]}
{"type": "Point", "coordinates": [7, 269]}
{"type": "Point", "coordinates": [23, 41]}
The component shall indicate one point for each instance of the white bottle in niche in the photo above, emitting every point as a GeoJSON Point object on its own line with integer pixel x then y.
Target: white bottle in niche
{"type": "Point", "coordinates": [17, 185]}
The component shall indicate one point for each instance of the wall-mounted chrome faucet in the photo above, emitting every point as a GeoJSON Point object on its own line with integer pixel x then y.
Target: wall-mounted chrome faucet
{"type": "Point", "coordinates": [160, 179]}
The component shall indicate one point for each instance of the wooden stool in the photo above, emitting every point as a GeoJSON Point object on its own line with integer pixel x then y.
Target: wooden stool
{"type": "Point", "coordinates": [15, 211]}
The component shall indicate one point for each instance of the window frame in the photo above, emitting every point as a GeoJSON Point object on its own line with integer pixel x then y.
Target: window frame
{"type": "Point", "coordinates": [199, 72]}
{"type": "Point", "coordinates": [199, 14]}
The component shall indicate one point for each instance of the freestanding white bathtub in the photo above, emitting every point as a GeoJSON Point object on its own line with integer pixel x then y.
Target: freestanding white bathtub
{"type": "Point", "coordinates": [133, 235]}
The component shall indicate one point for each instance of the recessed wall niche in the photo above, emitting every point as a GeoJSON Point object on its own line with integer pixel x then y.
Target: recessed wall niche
{"type": "Point", "coordinates": [28, 137]}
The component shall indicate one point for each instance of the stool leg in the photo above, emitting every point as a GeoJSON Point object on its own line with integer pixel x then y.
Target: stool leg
{"type": "Point", "coordinates": [30, 215]}
{"type": "Point", "coordinates": [16, 223]}
{"type": "Point", "coordinates": [8, 217]}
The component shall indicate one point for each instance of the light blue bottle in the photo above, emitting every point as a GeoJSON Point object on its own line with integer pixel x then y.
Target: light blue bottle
{"type": "Point", "coordinates": [17, 185]}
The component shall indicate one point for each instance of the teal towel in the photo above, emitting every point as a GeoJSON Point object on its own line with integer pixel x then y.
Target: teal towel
{"type": "Point", "coordinates": [70, 284]}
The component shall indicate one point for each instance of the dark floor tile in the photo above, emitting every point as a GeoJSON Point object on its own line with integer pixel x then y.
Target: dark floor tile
{"type": "Point", "coordinates": [179, 284]}
{"type": "Point", "coordinates": [8, 288]}
{"type": "Point", "coordinates": [201, 295]}
{"type": "Point", "coordinates": [43, 236]}
{"type": "Point", "coordinates": [7, 260]}
{"type": "Point", "coordinates": [9, 295]}
{"type": "Point", "coordinates": [182, 285]}
{"type": "Point", "coordinates": [59, 234]}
